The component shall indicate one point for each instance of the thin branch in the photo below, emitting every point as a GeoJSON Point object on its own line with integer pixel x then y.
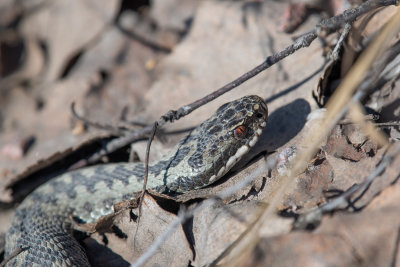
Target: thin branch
{"type": "Point", "coordinates": [304, 41]}
{"type": "Point", "coordinates": [146, 167]}
{"type": "Point", "coordinates": [117, 143]}
{"type": "Point", "coordinates": [335, 53]}
{"type": "Point", "coordinates": [111, 129]}
{"type": "Point", "coordinates": [350, 15]}
{"type": "Point", "coordinates": [368, 117]}
{"type": "Point", "coordinates": [314, 216]}
{"type": "Point", "coordinates": [183, 216]}
{"type": "Point", "coordinates": [146, 175]}
{"type": "Point", "coordinates": [143, 40]}
{"type": "Point", "coordinates": [338, 103]}
{"type": "Point", "coordinates": [387, 124]}
{"type": "Point", "coordinates": [324, 27]}
{"type": "Point", "coordinates": [396, 249]}
{"type": "Point", "coordinates": [330, 24]}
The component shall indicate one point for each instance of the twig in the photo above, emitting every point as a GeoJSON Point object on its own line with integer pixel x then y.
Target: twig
{"type": "Point", "coordinates": [313, 217]}
{"type": "Point", "coordinates": [305, 41]}
{"type": "Point", "coordinates": [143, 40]}
{"type": "Point", "coordinates": [380, 73]}
{"type": "Point", "coordinates": [324, 27]}
{"type": "Point", "coordinates": [368, 117]}
{"type": "Point", "coordinates": [335, 109]}
{"type": "Point", "coordinates": [387, 124]}
{"type": "Point", "coordinates": [97, 125]}
{"type": "Point", "coordinates": [396, 249]}
{"type": "Point", "coordinates": [146, 168]}
{"type": "Point", "coordinates": [146, 175]}
{"type": "Point", "coordinates": [184, 216]}
{"type": "Point", "coordinates": [335, 53]}
{"type": "Point", "coordinates": [330, 24]}
{"type": "Point", "coordinates": [117, 143]}
{"type": "Point", "coordinates": [350, 15]}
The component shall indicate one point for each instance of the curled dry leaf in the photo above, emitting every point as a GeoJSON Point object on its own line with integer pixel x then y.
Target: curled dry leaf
{"type": "Point", "coordinates": [17, 185]}
{"type": "Point", "coordinates": [131, 239]}
{"type": "Point", "coordinates": [371, 234]}
{"type": "Point", "coordinates": [326, 84]}
{"type": "Point", "coordinates": [211, 233]}
{"type": "Point", "coordinates": [365, 238]}
{"type": "Point", "coordinates": [363, 31]}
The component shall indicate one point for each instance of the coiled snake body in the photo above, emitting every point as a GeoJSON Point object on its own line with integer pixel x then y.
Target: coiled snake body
{"type": "Point", "coordinates": [42, 223]}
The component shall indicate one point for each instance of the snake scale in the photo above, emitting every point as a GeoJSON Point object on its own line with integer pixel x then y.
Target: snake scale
{"type": "Point", "coordinates": [43, 222]}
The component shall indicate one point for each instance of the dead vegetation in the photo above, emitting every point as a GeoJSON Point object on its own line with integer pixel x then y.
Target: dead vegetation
{"type": "Point", "coordinates": [321, 186]}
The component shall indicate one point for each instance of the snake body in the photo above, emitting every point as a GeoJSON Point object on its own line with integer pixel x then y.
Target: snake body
{"type": "Point", "coordinates": [43, 223]}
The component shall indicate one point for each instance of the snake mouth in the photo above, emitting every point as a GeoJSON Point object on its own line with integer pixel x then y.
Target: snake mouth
{"type": "Point", "coordinates": [259, 131]}
{"type": "Point", "coordinates": [239, 153]}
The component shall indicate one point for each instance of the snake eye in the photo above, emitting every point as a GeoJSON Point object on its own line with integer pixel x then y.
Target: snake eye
{"type": "Point", "coordinates": [240, 131]}
{"type": "Point", "coordinates": [259, 115]}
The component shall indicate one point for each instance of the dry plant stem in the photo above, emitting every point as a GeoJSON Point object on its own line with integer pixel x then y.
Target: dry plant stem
{"type": "Point", "coordinates": [185, 215]}
{"type": "Point", "coordinates": [143, 40]}
{"type": "Point", "coordinates": [235, 243]}
{"type": "Point", "coordinates": [396, 249]}
{"type": "Point", "coordinates": [328, 25]}
{"type": "Point", "coordinates": [109, 128]}
{"type": "Point", "coordinates": [131, 154]}
{"type": "Point", "coordinates": [145, 178]}
{"type": "Point", "coordinates": [387, 124]}
{"type": "Point", "coordinates": [146, 168]}
{"type": "Point", "coordinates": [119, 143]}
{"type": "Point", "coordinates": [304, 41]}
{"type": "Point", "coordinates": [357, 113]}
{"type": "Point", "coordinates": [376, 78]}
{"type": "Point", "coordinates": [336, 105]}
{"type": "Point", "coordinates": [325, 26]}
{"type": "Point", "coordinates": [350, 15]}
{"type": "Point", "coordinates": [345, 197]}
{"type": "Point", "coordinates": [368, 117]}
{"type": "Point", "coordinates": [335, 53]}
{"type": "Point", "coordinates": [313, 217]}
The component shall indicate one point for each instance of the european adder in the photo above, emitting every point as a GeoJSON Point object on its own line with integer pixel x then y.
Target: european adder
{"type": "Point", "coordinates": [42, 223]}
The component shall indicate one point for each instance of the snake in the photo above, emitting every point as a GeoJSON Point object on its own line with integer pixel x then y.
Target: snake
{"type": "Point", "coordinates": [43, 224]}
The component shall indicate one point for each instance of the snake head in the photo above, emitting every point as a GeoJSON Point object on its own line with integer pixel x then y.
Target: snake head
{"type": "Point", "coordinates": [233, 130]}
{"type": "Point", "coordinates": [211, 150]}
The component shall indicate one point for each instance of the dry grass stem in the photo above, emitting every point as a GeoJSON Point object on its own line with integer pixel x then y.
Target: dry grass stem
{"type": "Point", "coordinates": [336, 105]}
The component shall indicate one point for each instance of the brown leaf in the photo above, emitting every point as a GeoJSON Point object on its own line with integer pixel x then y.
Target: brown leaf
{"type": "Point", "coordinates": [301, 249]}
{"type": "Point", "coordinates": [363, 30]}
{"type": "Point", "coordinates": [60, 25]}
{"type": "Point", "coordinates": [173, 14]}
{"type": "Point", "coordinates": [132, 239]}
{"type": "Point", "coordinates": [367, 238]}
